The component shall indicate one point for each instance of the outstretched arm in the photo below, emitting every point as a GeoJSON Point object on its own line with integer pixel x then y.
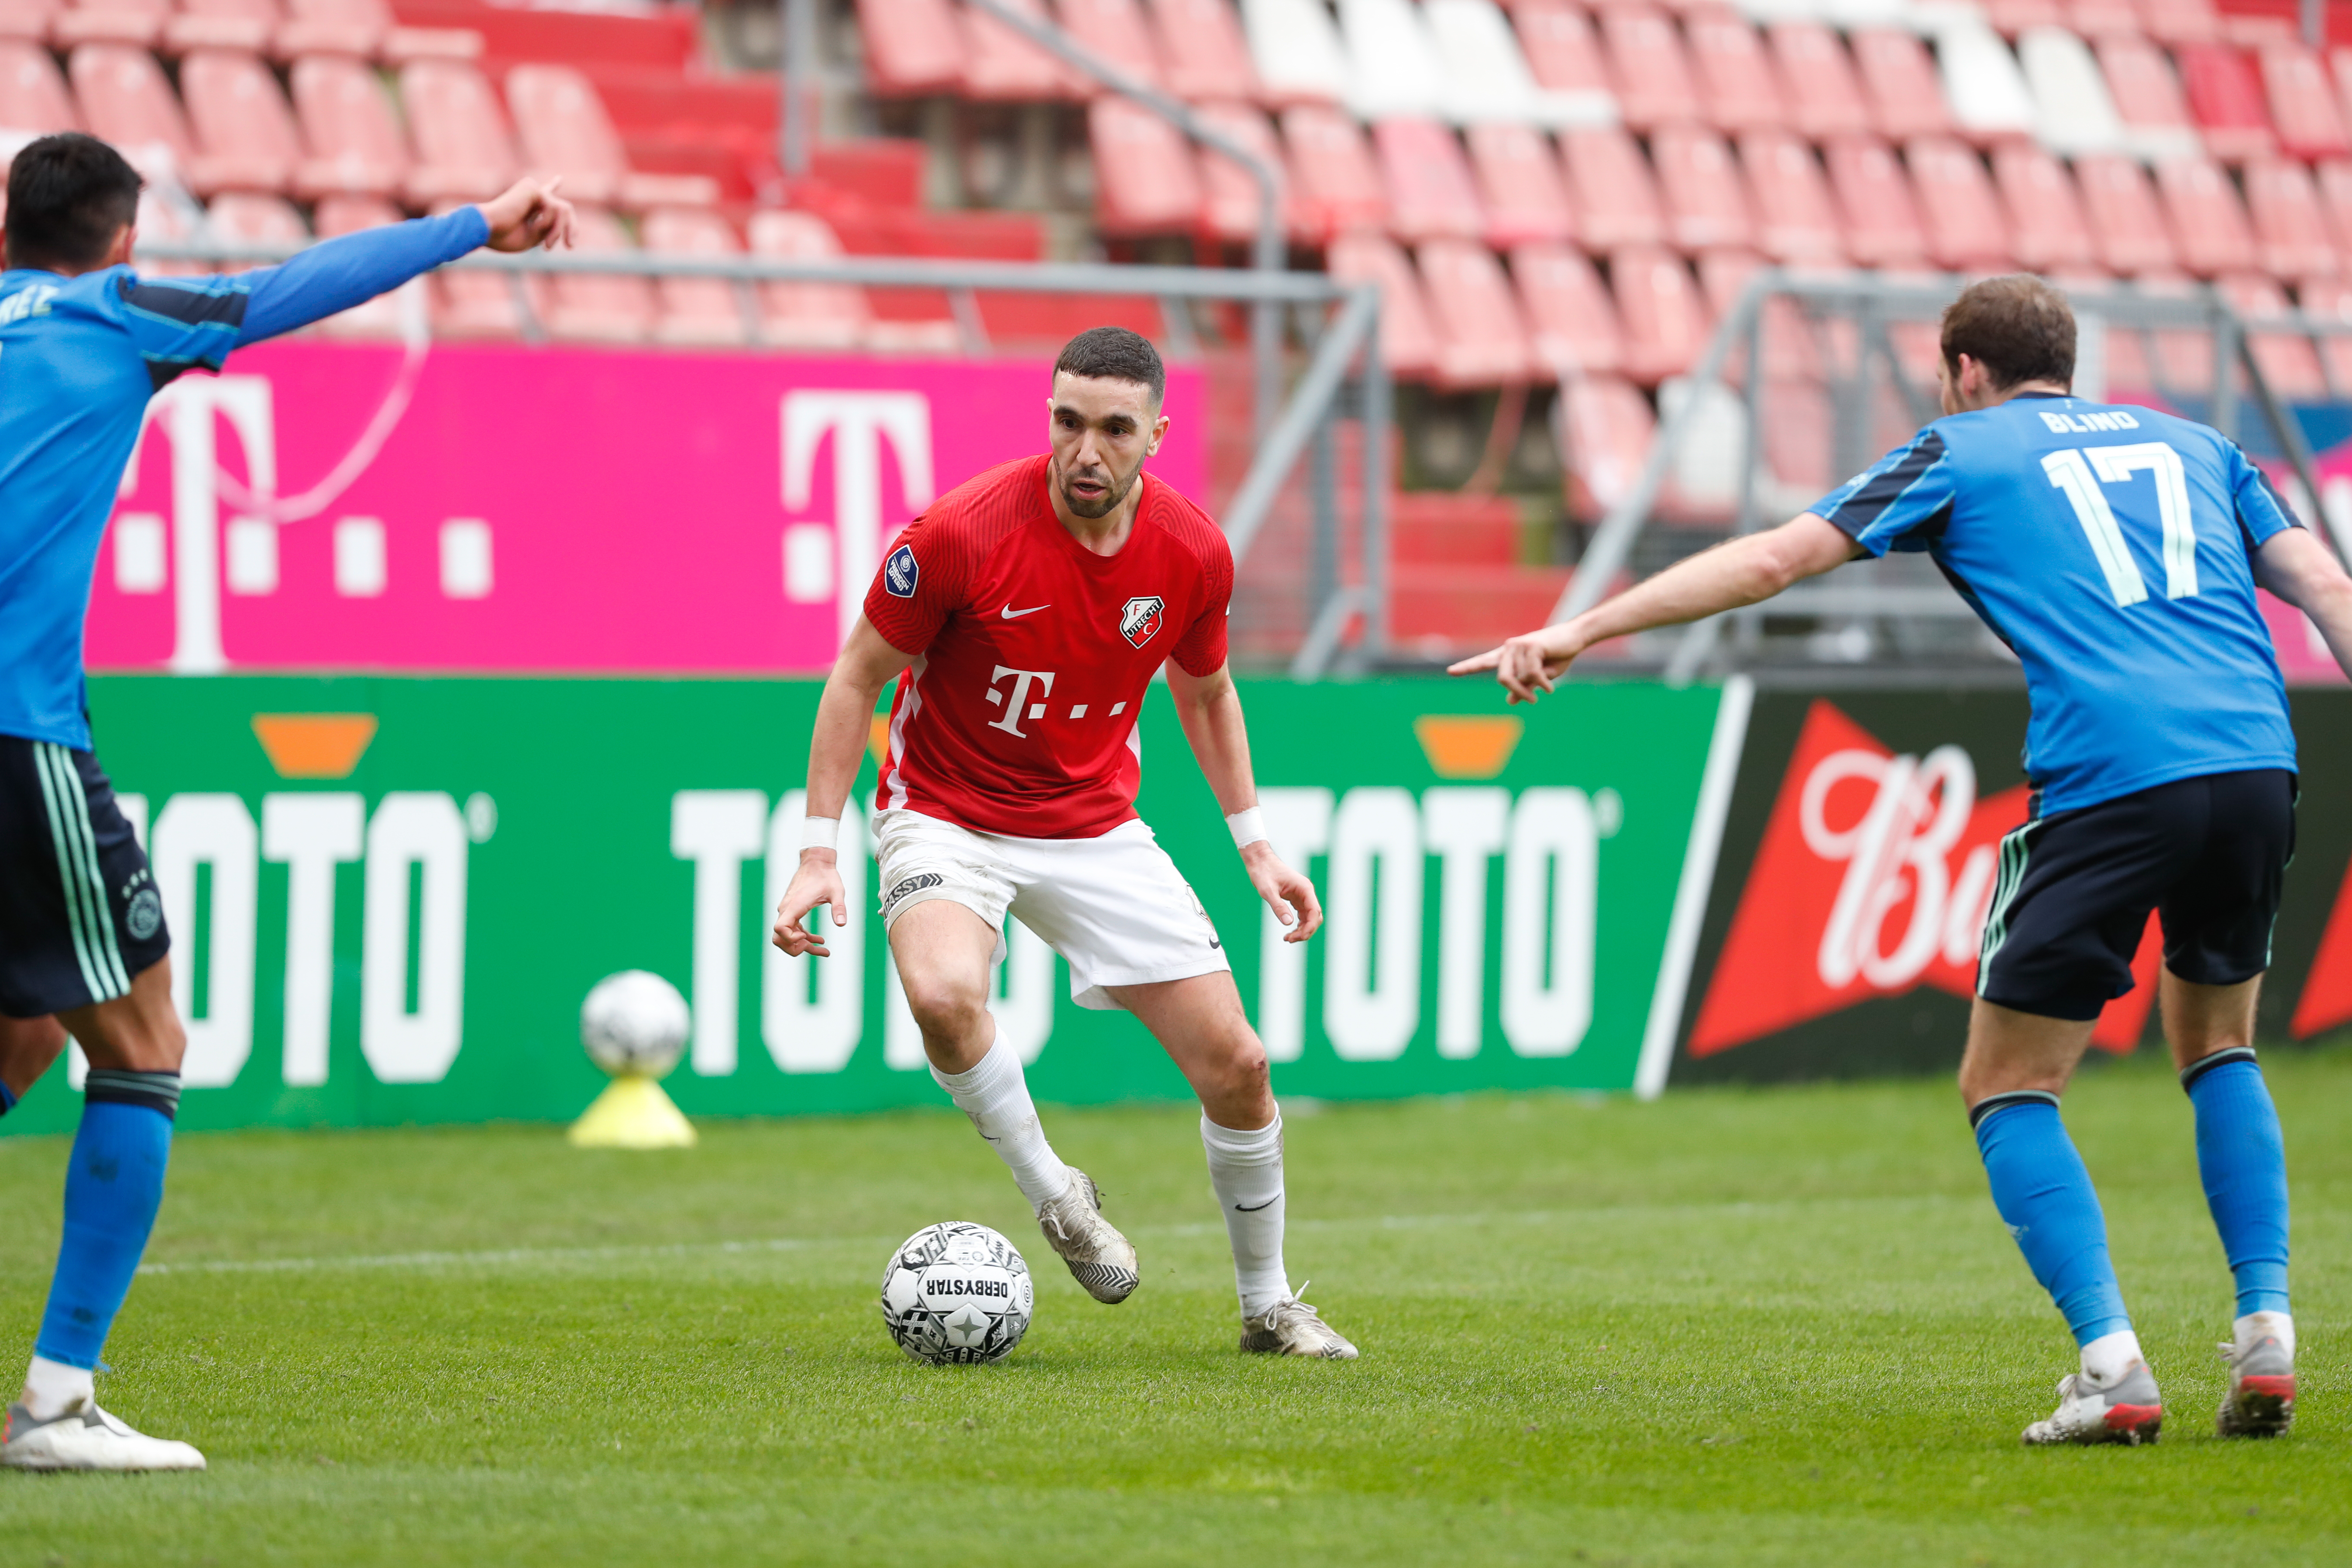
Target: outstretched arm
{"type": "Point", "coordinates": [1738, 572]}
{"type": "Point", "coordinates": [1210, 709]}
{"type": "Point", "coordinates": [2294, 564]}
{"type": "Point", "coordinates": [337, 274]}
{"type": "Point", "coordinates": [844, 715]}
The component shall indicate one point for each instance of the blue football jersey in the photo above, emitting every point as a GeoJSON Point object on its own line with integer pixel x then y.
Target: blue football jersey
{"type": "Point", "coordinates": [2111, 549]}
{"type": "Point", "coordinates": [80, 357]}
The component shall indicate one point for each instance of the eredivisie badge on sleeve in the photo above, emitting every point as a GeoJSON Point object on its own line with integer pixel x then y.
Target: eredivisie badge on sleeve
{"type": "Point", "coordinates": [900, 573]}
{"type": "Point", "coordinates": [1139, 619]}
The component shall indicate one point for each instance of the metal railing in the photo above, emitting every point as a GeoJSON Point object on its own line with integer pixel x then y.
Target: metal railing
{"type": "Point", "coordinates": [1870, 307]}
{"type": "Point", "coordinates": [1343, 377]}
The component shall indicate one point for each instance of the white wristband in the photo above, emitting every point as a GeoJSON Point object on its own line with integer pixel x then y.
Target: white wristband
{"type": "Point", "coordinates": [820, 832]}
{"type": "Point", "coordinates": [1248, 827]}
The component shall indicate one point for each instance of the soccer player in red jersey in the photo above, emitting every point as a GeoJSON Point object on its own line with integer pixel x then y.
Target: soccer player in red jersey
{"type": "Point", "coordinates": [1025, 615]}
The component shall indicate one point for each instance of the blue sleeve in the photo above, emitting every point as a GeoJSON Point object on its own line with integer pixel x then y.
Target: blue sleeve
{"type": "Point", "coordinates": [180, 323]}
{"type": "Point", "coordinates": [1900, 502]}
{"type": "Point", "coordinates": [2262, 512]}
{"type": "Point", "coordinates": [337, 274]}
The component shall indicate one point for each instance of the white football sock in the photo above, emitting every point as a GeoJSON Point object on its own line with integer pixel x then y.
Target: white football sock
{"type": "Point", "coordinates": [996, 1096]}
{"type": "Point", "coordinates": [2110, 1356]}
{"type": "Point", "coordinates": [1245, 1169]}
{"type": "Point", "coordinates": [52, 1388]}
{"type": "Point", "coordinates": [2256, 1326]}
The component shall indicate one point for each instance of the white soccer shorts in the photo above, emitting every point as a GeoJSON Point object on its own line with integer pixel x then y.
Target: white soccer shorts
{"type": "Point", "coordinates": [1114, 906]}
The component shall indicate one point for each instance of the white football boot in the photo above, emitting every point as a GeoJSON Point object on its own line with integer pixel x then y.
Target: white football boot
{"type": "Point", "coordinates": [87, 1438]}
{"type": "Point", "coordinates": [1099, 1257]}
{"type": "Point", "coordinates": [2261, 1401]}
{"type": "Point", "coordinates": [1291, 1327]}
{"type": "Point", "coordinates": [2127, 1410]}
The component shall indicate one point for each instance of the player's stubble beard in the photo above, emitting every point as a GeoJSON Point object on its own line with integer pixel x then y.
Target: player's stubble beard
{"type": "Point", "coordinates": [1115, 490]}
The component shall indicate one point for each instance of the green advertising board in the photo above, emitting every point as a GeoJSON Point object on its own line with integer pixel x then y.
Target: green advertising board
{"type": "Point", "coordinates": [389, 894]}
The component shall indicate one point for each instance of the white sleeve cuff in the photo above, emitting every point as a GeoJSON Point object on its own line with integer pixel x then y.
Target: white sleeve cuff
{"type": "Point", "coordinates": [820, 832]}
{"type": "Point", "coordinates": [1248, 827]}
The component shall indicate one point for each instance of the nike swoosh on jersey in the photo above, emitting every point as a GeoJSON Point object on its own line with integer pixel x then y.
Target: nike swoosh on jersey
{"type": "Point", "coordinates": [1011, 614]}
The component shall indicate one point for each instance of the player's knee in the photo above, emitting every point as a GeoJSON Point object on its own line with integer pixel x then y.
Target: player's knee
{"type": "Point", "coordinates": [1243, 1075]}
{"type": "Point", "coordinates": [945, 1008]}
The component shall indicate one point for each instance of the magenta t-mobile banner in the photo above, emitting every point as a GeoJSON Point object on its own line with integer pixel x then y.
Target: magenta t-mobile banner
{"type": "Point", "coordinates": [503, 508]}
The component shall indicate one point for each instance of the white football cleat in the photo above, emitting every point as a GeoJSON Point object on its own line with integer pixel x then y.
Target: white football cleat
{"type": "Point", "coordinates": [2261, 1401]}
{"type": "Point", "coordinates": [1099, 1257]}
{"type": "Point", "coordinates": [87, 1438]}
{"type": "Point", "coordinates": [1291, 1327]}
{"type": "Point", "coordinates": [2128, 1410]}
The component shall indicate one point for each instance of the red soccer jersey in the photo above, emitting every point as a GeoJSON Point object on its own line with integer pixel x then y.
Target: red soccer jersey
{"type": "Point", "coordinates": [1030, 654]}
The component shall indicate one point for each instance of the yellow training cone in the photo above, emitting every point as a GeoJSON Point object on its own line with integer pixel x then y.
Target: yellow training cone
{"type": "Point", "coordinates": [633, 1114]}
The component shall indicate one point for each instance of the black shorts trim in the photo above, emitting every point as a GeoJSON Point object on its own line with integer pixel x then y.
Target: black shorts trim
{"type": "Point", "coordinates": [2073, 891]}
{"type": "Point", "coordinates": [80, 911]}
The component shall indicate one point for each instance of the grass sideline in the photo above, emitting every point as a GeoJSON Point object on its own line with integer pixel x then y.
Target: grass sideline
{"type": "Point", "coordinates": [1755, 1327]}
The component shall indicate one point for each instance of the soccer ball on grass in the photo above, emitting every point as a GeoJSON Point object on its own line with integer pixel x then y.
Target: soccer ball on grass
{"type": "Point", "coordinates": [634, 1023]}
{"type": "Point", "coordinates": [957, 1293]}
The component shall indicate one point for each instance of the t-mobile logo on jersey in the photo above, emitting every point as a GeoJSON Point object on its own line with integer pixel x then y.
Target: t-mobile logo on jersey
{"type": "Point", "coordinates": [1022, 680]}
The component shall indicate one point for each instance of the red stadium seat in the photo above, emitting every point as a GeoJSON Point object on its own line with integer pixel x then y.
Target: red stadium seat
{"type": "Point", "coordinates": [1881, 222]}
{"type": "Point", "coordinates": [1613, 196]}
{"type": "Point", "coordinates": [384, 315]}
{"type": "Point", "coordinates": [245, 133]}
{"type": "Point", "coordinates": [914, 48]}
{"type": "Point", "coordinates": [2010, 17]}
{"type": "Point", "coordinates": [2333, 302]}
{"type": "Point", "coordinates": [33, 97]}
{"type": "Point", "coordinates": [1563, 54]}
{"type": "Point", "coordinates": [1481, 342]}
{"type": "Point", "coordinates": [2290, 228]}
{"type": "Point", "coordinates": [1158, 186]}
{"type": "Point", "coordinates": [694, 309]}
{"type": "Point", "coordinates": [1740, 88]}
{"type": "Point", "coordinates": [1664, 313]}
{"type": "Point", "coordinates": [2128, 375]}
{"type": "Point", "coordinates": [245, 26]}
{"type": "Point", "coordinates": [566, 131]}
{"type": "Point", "coordinates": [2180, 21]}
{"type": "Point", "coordinates": [1791, 351]}
{"type": "Point", "coordinates": [2148, 97]}
{"type": "Point", "coordinates": [2126, 225]}
{"type": "Point", "coordinates": [352, 128]}
{"type": "Point", "coordinates": [1203, 54]}
{"type": "Point", "coordinates": [1707, 203]}
{"type": "Point", "coordinates": [2184, 355]}
{"type": "Point", "coordinates": [1000, 64]}
{"type": "Point", "coordinates": [1431, 194]}
{"type": "Point", "coordinates": [1409, 345]}
{"type": "Point", "coordinates": [2105, 18]}
{"type": "Point", "coordinates": [1339, 185]}
{"type": "Point", "coordinates": [1796, 222]}
{"type": "Point", "coordinates": [1899, 79]}
{"type": "Point", "coordinates": [614, 307]}
{"type": "Point", "coordinates": [2046, 216]}
{"type": "Point", "coordinates": [2289, 363]}
{"type": "Point", "coordinates": [470, 303]}
{"type": "Point", "coordinates": [139, 23]}
{"type": "Point", "coordinates": [2210, 231]}
{"type": "Point", "coordinates": [2334, 180]}
{"type": "Point", "coordinates": [1966, 231]}
{"type": "Point", "coordinates": [1229, 194]}
{"type": "Point", "coordinates": [465, 151]}
{"type": "Point", "coordinates": [1606, 427]}
{"type": "Point", "coordinates": [125, 100]}
{"type": "Point", "coordinates": [1526, 195]}
{"type": "Point", "coordinates": [2225, 95]}
{"type": "Point", "coordinates": [1646, 62]}
{"type": "Point", "coordinates": [806, 315]}
{"type": "Point", "coordinates": [1825, 97]}
{"type": "Point", "coordinates": [1115, 32]}
{"type": "Point", "coordinates": [1571, 317]}
{"type": "Point", "coordinates": [27, 20]}
{"type": "Point", "coordinates": [2303, 103]}
{"type": "Point", "coordinates": [366, 28]}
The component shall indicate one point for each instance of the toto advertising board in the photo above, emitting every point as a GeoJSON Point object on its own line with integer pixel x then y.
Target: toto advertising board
{"type": "Point", "coordinates": [1857, 865]}
{"type": "Point", "coordinates": [389, 894]}
{"type": "Point", "coordinates": [501, 508]}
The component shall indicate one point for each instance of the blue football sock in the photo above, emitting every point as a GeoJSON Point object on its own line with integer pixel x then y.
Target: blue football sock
{"type": "Point", "coordinates": [7, 1100]}
{"type": "Point", "coordinates": [114, 1188]}
{"type": "Point", "coordinates": [2045, 1196]}
{"type": "Point", "coordinates": [2243, 1161]}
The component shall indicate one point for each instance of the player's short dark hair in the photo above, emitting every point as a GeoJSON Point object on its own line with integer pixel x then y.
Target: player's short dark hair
{"type": "Point", "coordinates": [2018, 327]}
{"type": "Point", "coordinates": [68, 196]}
{"type": "Point", "coordinates": [1114, 353]}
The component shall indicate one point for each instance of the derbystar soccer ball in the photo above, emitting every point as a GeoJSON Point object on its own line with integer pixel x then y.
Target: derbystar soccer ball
{"type": "Point", "coordinates": [957, 1293]}
{"type": "Point", "coordinates": [634, 1022]}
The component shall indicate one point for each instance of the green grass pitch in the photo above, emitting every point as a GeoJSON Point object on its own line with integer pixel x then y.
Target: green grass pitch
{"type": "Point", "coordinates": [1767, 1327]}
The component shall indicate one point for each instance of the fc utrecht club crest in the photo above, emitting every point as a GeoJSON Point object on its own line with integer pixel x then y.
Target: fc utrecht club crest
{"type": "Point", "coordinates": [1139, 619]}
{"type": "Point", "coordinates": [1874, 878]}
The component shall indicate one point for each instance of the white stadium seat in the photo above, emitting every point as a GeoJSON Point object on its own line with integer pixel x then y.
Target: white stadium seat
{"type": "Point", "coordinates": [1392, 62]}
{"type": "Point", "coordinates": [1989, 97]}
{"type": "Point", "coordinates": [1295, 48]}
{"type": "Point", "coordinates": [2071, 110]}
{"type": "Point", "coordinates": [1487, 77]}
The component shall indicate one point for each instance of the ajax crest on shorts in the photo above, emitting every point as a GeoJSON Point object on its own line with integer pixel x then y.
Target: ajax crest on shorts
{"type": "Point", "coordinates": [1139, 619]}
